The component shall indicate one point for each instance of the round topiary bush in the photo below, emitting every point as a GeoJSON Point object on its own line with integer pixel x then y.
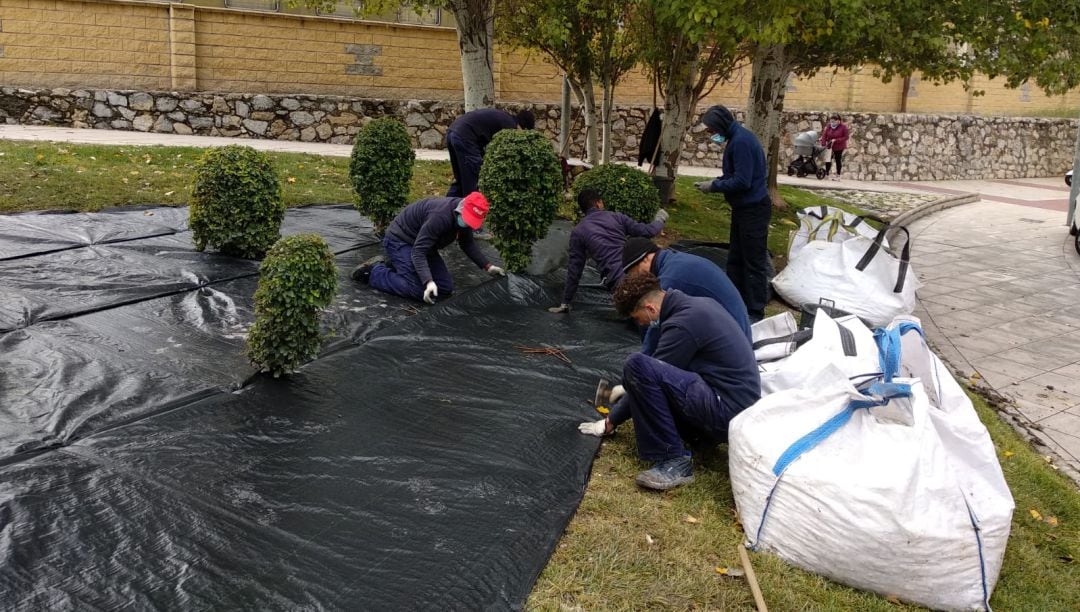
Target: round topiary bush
{"type": "Point", "coordinates": [624, 189]}
{"type": "Point", "coordinates": [296, 281]}
{"type": "Point", "coordinates": [380, 169]}
{"type": "Point", "coordinates": [522, 180]}
{"type": "Point", "coordinates": [236, 205]}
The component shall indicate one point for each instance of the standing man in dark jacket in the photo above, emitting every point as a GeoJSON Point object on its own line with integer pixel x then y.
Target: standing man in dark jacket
{"type": "Point", "coordinates": [693, 275]}
{"type": "Point", "coordinates": [745, 186]}
{"type": "Point", "coordinates": [468, 138]}
{"type": "Point", "coordinates": [412, 244]}
{"type": "Point", "coordinates": [601, 235]}
{"type": "Point", "coordinates": [701, 375]}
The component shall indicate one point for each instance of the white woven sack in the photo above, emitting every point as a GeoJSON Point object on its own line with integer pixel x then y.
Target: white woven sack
{"type": "Point", "coordinates": [905, 499]}
{"type": "Point", "coordinates": [828, 224]}
{"type": "Point", "coordinates": [845, 342]}
{"type": "Point", "coordinates": [857, 274]}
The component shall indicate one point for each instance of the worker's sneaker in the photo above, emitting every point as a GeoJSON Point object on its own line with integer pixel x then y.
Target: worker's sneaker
{"type": "Point", "coordinates": [362, 273]}
{"type": "Point", "coordinates": [667, 474]}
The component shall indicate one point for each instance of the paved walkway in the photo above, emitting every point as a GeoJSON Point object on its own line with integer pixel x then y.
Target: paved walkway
{"type": "Point", "coordinates": [1001, 299]}
{"type": "Point", "coordinates": [1001, 303]}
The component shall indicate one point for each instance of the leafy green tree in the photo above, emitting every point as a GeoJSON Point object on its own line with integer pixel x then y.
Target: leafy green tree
{"type": "Point", "coordinates": [589, 41]}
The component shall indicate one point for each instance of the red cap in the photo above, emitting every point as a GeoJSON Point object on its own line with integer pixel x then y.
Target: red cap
{"type": "Point", "coordinates": [474, 207]}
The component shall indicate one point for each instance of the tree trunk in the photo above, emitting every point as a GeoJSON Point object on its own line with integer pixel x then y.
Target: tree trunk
{"type": "Point", "coordinates": [476, 33]}
{"type": "Point", "coordinates": [679, 103]}
{"type": "Point", "coordinates": [586, 96]}
{"type": "Point", "coordinates": [765, 106]}
{"type": "Point", "coordinates": [608, 119]}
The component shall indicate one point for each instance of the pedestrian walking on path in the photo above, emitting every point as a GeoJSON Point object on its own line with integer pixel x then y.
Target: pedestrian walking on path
{"type": "Point", "coordinates": [835, 138]}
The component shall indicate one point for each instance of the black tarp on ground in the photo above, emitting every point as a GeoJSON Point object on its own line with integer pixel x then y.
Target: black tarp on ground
{"type": "Point", "coordinates": [434, 466]}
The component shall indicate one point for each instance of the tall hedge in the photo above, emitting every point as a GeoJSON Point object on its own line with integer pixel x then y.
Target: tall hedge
{"type": "Point", "coordinates": [380, 169]}
{"type": "Point", "coordinates": [623, 188]}
{"type": "Point", "coordinates": [296, 281]}
{"type": "Point", "coordinates": [522, 179]}
{"type": "Point", "coordinates": [236, 206]}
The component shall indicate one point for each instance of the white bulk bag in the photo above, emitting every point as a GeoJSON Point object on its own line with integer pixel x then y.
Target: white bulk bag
{"type": "Point", "coordinates": [829, 224]}
{"type": "Point", "coordinates": [776, 337]}
{"type": "Point", "coordinates": [857, 274]}
{"type": "Point", "coordinates": [905, 499]}
{"type": "Point", "coordinates": [845, 342]}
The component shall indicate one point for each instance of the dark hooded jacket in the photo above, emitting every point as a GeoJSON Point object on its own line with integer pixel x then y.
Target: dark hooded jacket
{"type": "Point", "coordinates": [745, 178]}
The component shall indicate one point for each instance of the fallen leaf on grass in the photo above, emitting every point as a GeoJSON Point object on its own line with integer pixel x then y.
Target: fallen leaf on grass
{"type": "Point", "coordinates": [1052, 521]}
{"type": "Point", "coordinates": [1035, 514]}
{"type": "Point", "coordinates": [649, 540]}
{"type": "Point", "coordinates": [734, 572]}
{"type": "Point", "coordinates": [1066, 558]}
{"type": "Point", "coordinates": [691, 519]}
{"type": "Point", "coordinates": [894, 600]}
{"type": "Point", "coordinates": [169, 193]}
{"type": "Point", "coordinates": [291, 179]}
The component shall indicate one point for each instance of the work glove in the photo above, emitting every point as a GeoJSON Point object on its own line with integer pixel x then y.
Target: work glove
{"type": "Point", "coordinates": [431, 292]}
{"type": "Point", "coordinates": [496, 271]}
{"type": "Point", "coordinates": [704, 186]}
{"type": "Point", "coordinates": [616, 392]}
{"type": "Point", "coordinates": [560, 309]}
{"type": "Point", "coordinates": [661, 216]}
{"type": "Point", "coordinates": [594, 428]}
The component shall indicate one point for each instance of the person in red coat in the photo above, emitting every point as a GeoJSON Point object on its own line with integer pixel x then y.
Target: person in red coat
{"type": "Point", "coordinates": [835, 137]}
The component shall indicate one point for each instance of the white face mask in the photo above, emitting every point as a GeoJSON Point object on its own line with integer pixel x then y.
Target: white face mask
{"type": "Point", "coordinates": [834, 123]}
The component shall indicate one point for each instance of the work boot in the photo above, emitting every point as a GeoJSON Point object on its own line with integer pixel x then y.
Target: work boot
{"type": "Point", "coordinates": [667, 474]}
{"type": "Point", "coordinates": [362, 272]}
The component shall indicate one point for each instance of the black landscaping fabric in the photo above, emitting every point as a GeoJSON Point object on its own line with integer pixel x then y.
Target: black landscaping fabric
{"type": "Point", "coordinates": [422, 462]}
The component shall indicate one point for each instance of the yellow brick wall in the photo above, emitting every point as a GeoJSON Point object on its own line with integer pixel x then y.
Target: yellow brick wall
{"type": "Point", "coordinates": [157, 46]}
{"type": "Point", "coordinates": [84, 44]}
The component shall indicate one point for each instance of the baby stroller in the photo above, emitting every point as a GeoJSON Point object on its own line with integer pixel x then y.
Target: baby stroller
{"type": "Point", "coordinates": [811, 156]}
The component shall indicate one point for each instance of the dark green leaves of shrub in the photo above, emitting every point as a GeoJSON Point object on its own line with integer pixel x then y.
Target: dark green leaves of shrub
{"type": "Point", "coordinates": [236, 206]}
{"type": "Point", "coordinates": [296, 281]}
{"type": "Point", "coordinates": [624, 189]}
{"type": "Point", "coordinates": [522, 180]}
{"type": "Point", "coordinates": [380, 169]}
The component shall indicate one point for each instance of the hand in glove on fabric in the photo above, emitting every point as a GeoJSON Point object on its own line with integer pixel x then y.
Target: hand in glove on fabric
{"type": "Point", "coordinates": [704, 186]}
{"type": "Point", "coordinates": [661, 216]}
{"type": "Point", "coordinates": [595, 428]}
{"type": "Point", "coordinates": [431, 292]}
{"type": "Point", "coordinates": [560, 309]}
{"type": "Point", "coordinates": [495, 270]}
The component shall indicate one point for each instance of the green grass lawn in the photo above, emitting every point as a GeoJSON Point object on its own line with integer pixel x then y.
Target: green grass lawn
{"type": "Point", "coordinates": [625, 549]}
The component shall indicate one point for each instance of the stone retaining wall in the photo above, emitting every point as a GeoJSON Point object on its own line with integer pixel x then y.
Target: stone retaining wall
{"type": "Point", "coordinates": [883, 146]}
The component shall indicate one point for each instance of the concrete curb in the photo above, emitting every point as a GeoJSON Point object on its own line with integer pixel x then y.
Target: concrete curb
{"type": "Point", "coordinates": [932, 207]}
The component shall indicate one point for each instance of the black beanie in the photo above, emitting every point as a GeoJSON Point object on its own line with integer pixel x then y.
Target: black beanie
{"type": "Point", "coordinates": [635, 250]}
{"type": "Point", "coordinates": [718, 119]}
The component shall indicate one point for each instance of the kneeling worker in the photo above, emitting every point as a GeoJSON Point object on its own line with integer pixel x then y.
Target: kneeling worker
{"type": "Point", "coordinates": [601, 235]}
{"type": "Point", "coordinates": [689, 273]}
{"type": "Point", "coordinates": [701, 375]}
{"type": "Point", "coordinates": [412, 244]}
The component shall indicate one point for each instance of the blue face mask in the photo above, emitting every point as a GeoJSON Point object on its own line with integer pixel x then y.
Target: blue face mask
{"type": "Point", "coordinates": [718, 138]}
{"type": "Point", "coordinates": [654, 324]}
{"type": "Point", "coordinates": [461, 222]}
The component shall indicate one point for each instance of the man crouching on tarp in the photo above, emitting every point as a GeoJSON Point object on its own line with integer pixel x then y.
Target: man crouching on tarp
{"type": "Point", "coordinates": [412, 244]}
{"type": "Point", "coordinates": [700, 376]}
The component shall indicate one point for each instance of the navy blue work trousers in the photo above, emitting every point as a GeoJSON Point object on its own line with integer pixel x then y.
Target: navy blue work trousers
{"type": "Point", "coordinates": [670, 405]}
{"type": "Point", "coordinates": [400, 277]}
{"type": "Point", "coordinates": [465, 160]}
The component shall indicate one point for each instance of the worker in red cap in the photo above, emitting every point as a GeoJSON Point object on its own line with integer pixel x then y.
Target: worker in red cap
{"type": "Point", "coordinates": [412, 267]}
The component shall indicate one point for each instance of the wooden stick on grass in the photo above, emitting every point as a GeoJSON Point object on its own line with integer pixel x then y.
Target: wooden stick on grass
{"type": "Point", "coordinates": [752, 579]}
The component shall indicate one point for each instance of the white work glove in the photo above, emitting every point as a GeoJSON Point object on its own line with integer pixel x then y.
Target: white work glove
{"type": "Point", "coordinates": [594, 428]}
{"type": "Point", "coordinates": [560, 309]}
{"type": "Point", "coordinates": [431, 292]}
{"type": "Point", "coordinates": [616, 392]}
{"type": "Point", "coordinates": [704, 186]}
{"type": "Point", "coordinates": [496, 271]}
{"type": "Point", "coordinates": [661, 216]}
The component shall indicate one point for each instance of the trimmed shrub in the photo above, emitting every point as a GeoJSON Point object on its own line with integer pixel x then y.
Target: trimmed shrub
{"type": "Point", "coordinates": [624, 189]}
{"type": "Point", "coordinates": [297, 280]}
{"type": "Point", "coordinates": [236, 206]}
{"type": "Point", "coordinates": [380, 169]}
{"type": "Point", "coordinates": [522, 180]}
